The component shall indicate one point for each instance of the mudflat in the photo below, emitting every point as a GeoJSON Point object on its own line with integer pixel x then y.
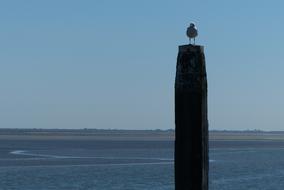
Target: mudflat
{"type": "Point", "coordinates": [86, 134]}
{"type": "Point", "coordinates": [247, 135]}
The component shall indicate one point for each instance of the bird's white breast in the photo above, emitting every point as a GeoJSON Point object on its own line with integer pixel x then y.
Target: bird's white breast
{"type": "Point", "coordinates": [191, 32]}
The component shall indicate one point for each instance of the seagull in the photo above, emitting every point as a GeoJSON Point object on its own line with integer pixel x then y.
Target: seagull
{"type": "Point", "coordinates": [192, 32]}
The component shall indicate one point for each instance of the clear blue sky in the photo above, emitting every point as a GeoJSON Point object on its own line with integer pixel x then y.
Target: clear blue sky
{"type": "Point", "coordinates": [111, 64]}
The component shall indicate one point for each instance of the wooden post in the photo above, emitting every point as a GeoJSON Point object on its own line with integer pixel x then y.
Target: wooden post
{"type": "Point", "coordinates": [191, 132]}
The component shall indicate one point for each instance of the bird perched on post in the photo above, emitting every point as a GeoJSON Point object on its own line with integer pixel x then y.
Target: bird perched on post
{"type": "Point", "coordinates": [192, 32]}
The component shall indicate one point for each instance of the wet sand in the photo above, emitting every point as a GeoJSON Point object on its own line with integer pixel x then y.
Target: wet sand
{"type": "Point", "coordinates": [125, 135]}
{"type": "Point", "coordinates": [86, 134]}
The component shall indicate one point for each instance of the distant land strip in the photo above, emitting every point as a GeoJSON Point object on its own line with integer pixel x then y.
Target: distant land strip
{"type": "Point", "coordinates": [115, 134]}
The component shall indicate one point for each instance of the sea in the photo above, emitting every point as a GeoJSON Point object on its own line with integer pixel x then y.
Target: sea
{"type": "Point", "coordinates": [134, 165]}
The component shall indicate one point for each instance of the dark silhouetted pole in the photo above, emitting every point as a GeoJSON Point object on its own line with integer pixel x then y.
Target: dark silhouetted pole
{"type": "Point", "coordinates": [191, 143]}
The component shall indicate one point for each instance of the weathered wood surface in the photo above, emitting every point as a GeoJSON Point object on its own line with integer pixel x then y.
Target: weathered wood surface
{"type": "Point", "coordinates": [191, 140]}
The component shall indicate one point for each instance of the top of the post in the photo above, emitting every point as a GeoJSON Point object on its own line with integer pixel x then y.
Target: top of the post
{"type": "Point", "coordinates": [191, 48]}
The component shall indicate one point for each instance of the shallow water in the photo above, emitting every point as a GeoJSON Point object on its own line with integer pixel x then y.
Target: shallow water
{"type": "Point", "coordinates": [247, 165]}
{"type": "Point", "coordinates": [134, 165]}
{"type": "Point", "coordinates": [86, 165]}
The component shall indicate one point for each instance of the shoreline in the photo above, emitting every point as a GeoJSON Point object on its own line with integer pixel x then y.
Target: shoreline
{"type": "Point", "coordinates": [131, 135]}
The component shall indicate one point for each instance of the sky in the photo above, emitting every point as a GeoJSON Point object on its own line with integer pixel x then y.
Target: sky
{"type": "Point", "coordinates": [111, 64]}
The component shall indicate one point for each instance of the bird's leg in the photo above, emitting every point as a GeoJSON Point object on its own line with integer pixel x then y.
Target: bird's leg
{"type": "Point", "coordinates": [194, 41]}
{"type": "Point", "coordinates": [189, 40]}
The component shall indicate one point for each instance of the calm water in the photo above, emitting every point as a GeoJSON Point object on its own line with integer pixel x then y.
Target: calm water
{"type": "Point", "coordinates": [134, 165]}
{"type": "Point", "coordinates": [247, 165]}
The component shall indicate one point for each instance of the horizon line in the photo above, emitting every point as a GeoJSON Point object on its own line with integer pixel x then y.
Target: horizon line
{"type": "Point", "coordinates": [117, 129]}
